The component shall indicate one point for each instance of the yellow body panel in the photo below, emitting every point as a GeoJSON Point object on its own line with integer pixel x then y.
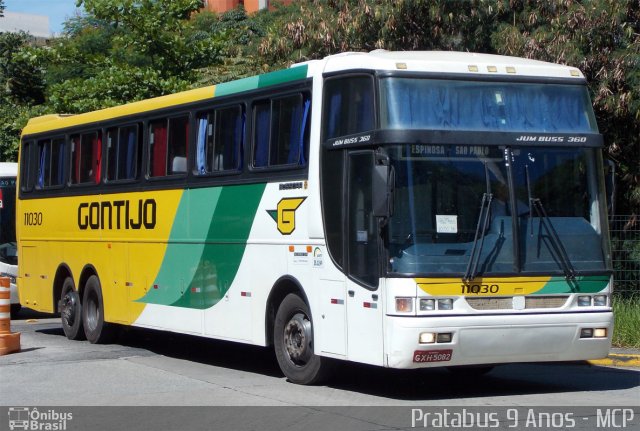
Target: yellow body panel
{"type": "Point", "coordinates": [485, 286]}
{"type": "Point", "coordinates": [126, 260]}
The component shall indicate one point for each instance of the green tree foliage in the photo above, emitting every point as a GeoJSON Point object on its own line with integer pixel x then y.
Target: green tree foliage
{"type": "Point", "coordinates": [602, 38]}
{"type": "Point", "coordinates": [125, 50]}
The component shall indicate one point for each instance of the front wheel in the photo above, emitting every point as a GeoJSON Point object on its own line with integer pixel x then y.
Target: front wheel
{"type": "Point", "coordinates": [95, 328]}
{"type": "Point", "coordinates": [293, 339]}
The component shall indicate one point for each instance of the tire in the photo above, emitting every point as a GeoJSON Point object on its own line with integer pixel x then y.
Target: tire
{"type": "Point", "coordinates": [71, 311]}
{"type": "Point", "coordinates": [96, 329]}
{"type": "Point", "coordinates": [14, 310]}
{"type": "Point", "coordinates": [293, 343]}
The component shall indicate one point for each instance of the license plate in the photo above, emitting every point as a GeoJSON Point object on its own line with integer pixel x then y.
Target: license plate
{"type": "Point", "coordinates": [432, 355]}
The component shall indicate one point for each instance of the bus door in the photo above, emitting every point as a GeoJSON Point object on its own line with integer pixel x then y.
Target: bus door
{"type": "Point", "coordinates": [364, 306]}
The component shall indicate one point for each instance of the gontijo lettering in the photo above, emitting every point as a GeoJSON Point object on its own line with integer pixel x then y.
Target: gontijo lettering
{"type": "Point", "coordinates": [122, 214]}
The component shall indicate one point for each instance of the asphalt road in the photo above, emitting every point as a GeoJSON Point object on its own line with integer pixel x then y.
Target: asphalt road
{"type": "Point", "coordinates": [152, 368]}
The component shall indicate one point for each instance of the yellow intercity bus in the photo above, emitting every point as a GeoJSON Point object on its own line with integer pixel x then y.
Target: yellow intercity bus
{"type": "Point", "coordinates": [401, 209]}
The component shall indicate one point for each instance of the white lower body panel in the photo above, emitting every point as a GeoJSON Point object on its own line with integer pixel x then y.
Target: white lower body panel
{"type": "Point", "coordinates": [497, 339]}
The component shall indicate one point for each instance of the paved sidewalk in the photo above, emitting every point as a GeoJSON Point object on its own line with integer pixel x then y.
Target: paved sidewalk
{"type": "Point", "coordinates": [620, 358]}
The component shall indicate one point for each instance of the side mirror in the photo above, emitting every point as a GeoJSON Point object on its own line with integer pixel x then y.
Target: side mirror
{"type": "Point", "coordinates": [610, 185]}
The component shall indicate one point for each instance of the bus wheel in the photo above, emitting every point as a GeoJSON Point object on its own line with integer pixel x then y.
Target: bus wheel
{"type": "Point", "coordinates": [71, 311]}
{"type": "Point", "coordinates": [95, 328]}
{"type": "Point", "coordinates": [293, 339]}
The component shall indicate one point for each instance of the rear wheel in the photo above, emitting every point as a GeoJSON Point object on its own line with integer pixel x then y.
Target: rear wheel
{"type": "Point", "coordinates": [71, 311]}
{"type": "Point", "coordinates": [293, 339]}
{"type": "Point", "coordinates": [95, 328]}
{"type": "Point", "coordinates": [14, 310]}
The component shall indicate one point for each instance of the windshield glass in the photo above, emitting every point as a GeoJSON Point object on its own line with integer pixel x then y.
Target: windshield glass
{"type": "Point", "coordinates": [413, 103]}
{"type": "Point", "coordinates": [443, 191]}
{"type": "Point", "coordinates": [8, 250]}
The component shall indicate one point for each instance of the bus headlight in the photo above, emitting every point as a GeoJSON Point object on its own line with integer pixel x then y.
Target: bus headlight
{"type": "Point", "coordinates": [600, 333]}
{"type": "Point", "coordinates": [600, 300]}
{"type": "Point", "coordinates": [445, 304]}
{"type": "Point", "coordinates": [427, 338]}
{"type": "Point", "coordinates": [404, 305]}
{"type": "Point", "coordinates": [427, 304]}
{"type": "Point", "coordinates": [584, 301]}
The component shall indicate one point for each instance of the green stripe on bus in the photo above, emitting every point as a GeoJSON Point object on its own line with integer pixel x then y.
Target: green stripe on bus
{"type": "Point", "coordinates": [583, 284]}
{"type": "Point", "coordinates": [182, 255]}
{"type": "Point", "coordinates": [225, 245]}
{"type": "Point", "coordinates": [260, 81]}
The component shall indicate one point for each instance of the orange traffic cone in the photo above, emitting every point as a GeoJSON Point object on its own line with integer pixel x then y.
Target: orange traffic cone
{"type": "Point", "coordinates": [9, 342]}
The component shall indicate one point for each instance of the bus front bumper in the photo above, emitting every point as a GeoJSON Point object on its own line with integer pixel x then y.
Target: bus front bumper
{"type": "Point", "coordinates": [495, 339]}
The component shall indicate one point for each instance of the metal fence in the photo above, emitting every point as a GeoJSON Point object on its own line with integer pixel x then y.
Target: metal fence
{"type": "Point", "coordinates": [625, 247]}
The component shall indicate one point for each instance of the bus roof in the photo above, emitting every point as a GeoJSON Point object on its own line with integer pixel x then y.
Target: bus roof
{"type": "Point", "coordinates": [418, 61]}
{"type": "Point", "coordinates": [449, 63]}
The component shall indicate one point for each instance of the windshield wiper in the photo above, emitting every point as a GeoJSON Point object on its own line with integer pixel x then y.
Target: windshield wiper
{"type": "Point", "coordinates": [556, 242]}
{"type": "Point", "coordinates": [483, 218]}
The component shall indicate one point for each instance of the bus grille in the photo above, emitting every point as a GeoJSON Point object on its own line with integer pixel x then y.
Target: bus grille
{"type": "Point", "coordinates": [506, 303]}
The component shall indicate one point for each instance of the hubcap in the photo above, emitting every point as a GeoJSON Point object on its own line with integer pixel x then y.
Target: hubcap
{"type": "Point", "coordinates": [297, 339]}
{"type": "Point", "coordinates": [68, 309]}
{"type": "Point", "coordinates": [92, 313]}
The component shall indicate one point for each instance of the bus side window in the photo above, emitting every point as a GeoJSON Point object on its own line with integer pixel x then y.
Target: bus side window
{"type": "Point", "coordinates": [27, 163]}
{"type": "Point", "coordinates": [50, 163]}
{"type": "Point", "coordinates": [219, 140]}
{"type": "Point", "coordinates": [122, 153]}
{"type": "Point", "coordinates": [86, 154]}
{"type": "Point", "coordinates": [281, 131]}
{"type": "Point", "coordinates": [168, 146]}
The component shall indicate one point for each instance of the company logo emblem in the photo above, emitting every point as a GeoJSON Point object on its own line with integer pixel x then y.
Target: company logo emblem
{"type": "Point", "coordinates": [285, 214]}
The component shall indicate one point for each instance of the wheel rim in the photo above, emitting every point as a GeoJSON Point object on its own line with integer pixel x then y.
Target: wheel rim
{"type": "Point", "coordinates": [297, 339]}
{"type": "Point", "coordinates": [92, 312]}
{"type": "Point", "coordinates": [68, 308]}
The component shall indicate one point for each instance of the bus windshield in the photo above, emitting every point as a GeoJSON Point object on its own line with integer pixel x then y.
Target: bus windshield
{"type": "Point", "coordinates": [8, 250]}
{"type": "Point", "coordinates": [412, 103]}
{"type": "Point", "coordinates": [454, 201]}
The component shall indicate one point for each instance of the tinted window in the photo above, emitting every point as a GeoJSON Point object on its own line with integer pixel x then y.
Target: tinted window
{"type": "Point", "coordinates": [219, 140]}
{"type": "Point", "coordinates": [50, 163]}
{"type": "Point", "coordinates": [281, 132]}
{"type": "Point", "coordinates": [122, 153]}
{"type": "Point", "coordinates": [168, 146]}
{"type": "Point", "coordinates": [348, 106]}
{"type": "Point", "coordinates": [85, 158]}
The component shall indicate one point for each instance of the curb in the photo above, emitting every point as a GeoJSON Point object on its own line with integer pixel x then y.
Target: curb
{"type": "Point", "coordinates": [618, 360]}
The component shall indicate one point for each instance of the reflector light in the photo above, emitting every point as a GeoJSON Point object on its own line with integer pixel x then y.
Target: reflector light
{"type": "Point", "coordinates": [427, 338]}
{"type": "Point", "coordinates": [584, 301]}
{"type": "Point", "coordinates": [404, 305]}
{"type": "Point", "coordinates": [473, 68]}
{"type": "Point", "coordinates": [492, 69]}
{"type": "Point", "coordinates": [511, 69]}
{"type": "Point", "coordinates": [600, 333]}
